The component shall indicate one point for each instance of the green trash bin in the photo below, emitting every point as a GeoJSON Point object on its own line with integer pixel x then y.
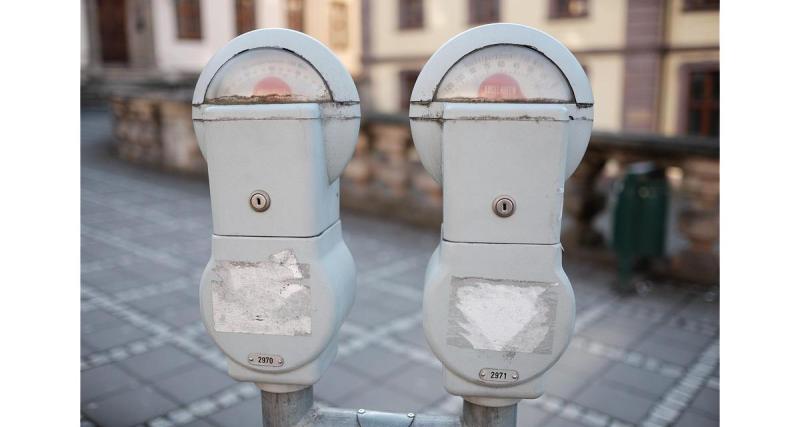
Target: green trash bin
{"type": "Point", "coordinates": [640, 221]}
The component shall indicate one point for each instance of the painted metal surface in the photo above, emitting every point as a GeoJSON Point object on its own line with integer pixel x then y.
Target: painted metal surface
{"type": "Point", "coordinates": [500, 114]}
{"type": "Point", "coordinates": [276, 116]}
{"type": "Point", "coordinates": [426, 109]}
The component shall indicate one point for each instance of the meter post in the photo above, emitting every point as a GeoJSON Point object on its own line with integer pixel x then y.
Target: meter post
{"type": "Point", "coordinates": [501, 116]}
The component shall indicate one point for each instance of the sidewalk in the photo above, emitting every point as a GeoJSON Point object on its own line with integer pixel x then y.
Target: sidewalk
{"type": "Point", "coordinates": [146, 358]}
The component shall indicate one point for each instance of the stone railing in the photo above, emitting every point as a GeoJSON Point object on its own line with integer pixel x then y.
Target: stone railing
{"type": "Point", "coordinates": [385, 177]}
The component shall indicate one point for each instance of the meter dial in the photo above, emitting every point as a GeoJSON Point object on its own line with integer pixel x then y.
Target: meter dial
{"type": "Point", "coordinates": [505, 73]}
{"type": "Point", "coordinates": [266, 76]}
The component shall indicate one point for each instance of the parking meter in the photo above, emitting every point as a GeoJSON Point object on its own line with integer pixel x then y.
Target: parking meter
{"type": "Point", "coordinates": [276, 117]}
{"type": "Point", "coordinates": [501, 116]}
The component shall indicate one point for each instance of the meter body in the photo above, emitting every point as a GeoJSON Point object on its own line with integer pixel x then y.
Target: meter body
{"type": "Point", "coordinates": [501, 116]}
{"type": "Point", "coordinates": [276, 117]}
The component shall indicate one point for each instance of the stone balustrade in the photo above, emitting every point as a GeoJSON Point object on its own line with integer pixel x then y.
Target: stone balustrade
{"type": "Point", "coordinates": [385, 177]}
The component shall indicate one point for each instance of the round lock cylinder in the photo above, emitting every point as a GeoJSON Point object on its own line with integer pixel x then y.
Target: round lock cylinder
{"type": "Point", "coordinates": [276, 117]}
{"type": "Point", "coordinates": [501, 116]}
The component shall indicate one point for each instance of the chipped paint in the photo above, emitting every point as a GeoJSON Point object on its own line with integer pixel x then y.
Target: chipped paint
{"type": "Point", "coordinates": [269, 297]}
{"type": "Point", "coordinates": [502, 315]}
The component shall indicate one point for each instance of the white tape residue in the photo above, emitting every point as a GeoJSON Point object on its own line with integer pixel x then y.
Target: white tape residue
{"type": "Point", "coordinates": [502, 315]}
{"type": "Point", "coordinates": [268, 297]}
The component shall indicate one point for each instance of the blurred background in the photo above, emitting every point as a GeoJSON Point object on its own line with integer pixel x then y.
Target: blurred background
{"type": "Point", "coordinates": [641, 215]}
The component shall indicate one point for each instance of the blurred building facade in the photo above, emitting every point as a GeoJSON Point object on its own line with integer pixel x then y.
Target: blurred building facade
{"type": "Point", "coordinates": [653, 66]}
{"type": "Point", "coordinates": [165, 38]}
{"type": "Point", "coordinates": [648, 60]}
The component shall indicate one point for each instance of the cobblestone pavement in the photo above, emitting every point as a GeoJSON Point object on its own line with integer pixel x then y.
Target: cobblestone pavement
{"type": "Point", "coordinates": [649, 360]}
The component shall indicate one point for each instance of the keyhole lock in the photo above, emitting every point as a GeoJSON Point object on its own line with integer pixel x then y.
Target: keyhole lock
{"type": "Point", "coordinates": [259, 201]}
{"type": "Point", "coordinates": [503, 206]}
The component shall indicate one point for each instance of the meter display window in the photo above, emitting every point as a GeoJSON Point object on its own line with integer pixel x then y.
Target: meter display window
{"type": "Point", "coordinates": [267, 76]}
{"type": "Point", "coordinates": [505, 73]}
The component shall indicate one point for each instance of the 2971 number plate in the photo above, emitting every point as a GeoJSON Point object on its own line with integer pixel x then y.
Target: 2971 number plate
{"type": "Point", "coordinates": [268, 360]}
{"type": "Point", "coordinates": [490, 375]}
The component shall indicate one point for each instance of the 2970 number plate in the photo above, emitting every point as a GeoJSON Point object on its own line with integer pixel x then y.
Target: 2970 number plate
{"type": "Point", "coordinates": [490, 375]}
{"type": "Point", "coordinates": [269, 360]}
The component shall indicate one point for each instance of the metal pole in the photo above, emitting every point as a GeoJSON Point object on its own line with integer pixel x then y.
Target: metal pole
{"type": "Point", "coordinates": [297, 409]}
{"type": "Point", "coordinates": [473, 415]}
{"type": "Point", "coordinates": [286, 409]}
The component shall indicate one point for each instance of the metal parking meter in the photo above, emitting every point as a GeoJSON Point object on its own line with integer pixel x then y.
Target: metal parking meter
{"type": "Point", "coordinates": [276, 117]}
{"type": "Point", "coordinates": [501, 116]}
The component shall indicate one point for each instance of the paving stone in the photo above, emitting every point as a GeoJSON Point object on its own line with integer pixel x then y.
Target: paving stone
{"type": "Point", "coordinates": [244, 414]}
{"type": "Point", "coordinates": [615, 401]}
{"type": "Point", "coordinates": [707, 402]}
{"type": "Point", "coordinates": [104, 380]}
{"type": "Point", "coordinates": [199, 423]}
{"type": "Point", "coordinates": [667, 351]}
{"type": "Point", "coordinates": [690, 340]}
{"type": "Point", "coordinates": [112, 337]}
{"type": "Point", "coordinates": [579, 361]}
{"type": "Point", "coordinates": [530, 415]}
{"type": "Point", "coordinates": [339, 382]}
{"type": "Point", "coordinates": [158, 362]}
{"type": "Point", "coordinates": [198, 381]}
{"type": "Point", "coordinates": [639, 380]}
{"type": "Point", "coordinates": [421, 381]}
{"type": "Point", "coordinates": [86, 350]}
{"type": "Point", "coordinates": [565, 383]}
{"type": "Point", "coordinates": [375, 362]}
{"type": "Point", "coordinates": [371, 316]}
{"type": "Point", "coordinates": [95, 320]}
{"type": "Point", "coordinates": [181, 316]}
{"type": "Point", "coordinates": [617, 330]}
{"type": "Point", "coordinates": [110, 280]}
{"type": "Point", "coordinates": [157, 303]}
{"type": "Point", "coordinates": [129, 408]}
{"type": "Point", "coordinates": [415, 336]}
{"type": "Point", "coordinates": [560, 422]}
{"type": "Point", "coordinates": [693, 419]}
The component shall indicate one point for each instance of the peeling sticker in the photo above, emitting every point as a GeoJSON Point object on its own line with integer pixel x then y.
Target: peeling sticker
{"type": "Point", "coordinates": [267, 297]}
{"type": "Point", "coordinates": [502, 315]}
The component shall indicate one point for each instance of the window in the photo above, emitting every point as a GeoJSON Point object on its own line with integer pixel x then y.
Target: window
{"type": "Point", "coordinates": [189, 22]}
{"type": "Point", "coordinates": [484, 11]}
{"type": "Point", "coordinates": [294, 18]}
{"type": "Point", "coordinates": [569, 8]}
{"type": "Point", "coordinates": [339, 32]}
{"type": "Point", "coordinates": [703, 103]}
{"type": "Point", "coordinates": [692, 5]}
{"type": "Point", "coordinates": [407, 80]}
{"type": "Point", "coordinates": [410, 14]}
{"type": "Point", "coordinates": [245, 16]}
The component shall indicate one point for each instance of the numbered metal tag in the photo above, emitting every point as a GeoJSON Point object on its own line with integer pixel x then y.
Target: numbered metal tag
{"type": "Point", "coordinates": [490, 375]}
{"type": "Point", "coordinates": [267, 360]}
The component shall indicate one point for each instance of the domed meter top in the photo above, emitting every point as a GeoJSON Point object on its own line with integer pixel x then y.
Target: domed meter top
{"type": "Point", "coordinates": [266, 76]}
{"type": "Point", "coordinates": [279, 106]}
{"type": "Point", "coordinates": [500, 63]}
